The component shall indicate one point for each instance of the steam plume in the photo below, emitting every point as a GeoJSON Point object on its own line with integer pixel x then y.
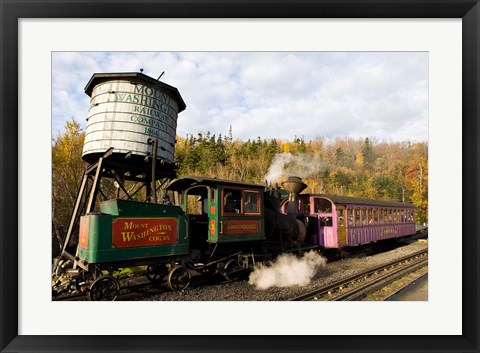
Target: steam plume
{"type": "Point", "coordinates": [287, 270]}
{"type": "Point", "coordinates": [302, 165]}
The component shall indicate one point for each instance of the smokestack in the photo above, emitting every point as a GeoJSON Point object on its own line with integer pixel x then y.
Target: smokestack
{"type": "Point", "coordinates": [294, 185]}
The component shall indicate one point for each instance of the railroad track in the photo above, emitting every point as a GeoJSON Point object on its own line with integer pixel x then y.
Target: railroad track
{"type": "Point", "coordinates": [125, 293]}
{"type": "Point", "coordinates": [358, 286]}
{"type": "Point", "coordinates": [133, 291]}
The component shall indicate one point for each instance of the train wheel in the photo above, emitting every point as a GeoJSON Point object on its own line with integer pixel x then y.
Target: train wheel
{"type": "Point", "coordinates": [231, 270]}
{"type": "Point", "coordinates": [155, 273]}
{"type": "Point", "coordinates": [178, 278]}
{"type": "Point", "coordinates": [104, 288]}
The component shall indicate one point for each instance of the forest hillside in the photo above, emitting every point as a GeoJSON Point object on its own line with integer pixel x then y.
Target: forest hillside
{"type": "Point", "coordinates": [343, 166]}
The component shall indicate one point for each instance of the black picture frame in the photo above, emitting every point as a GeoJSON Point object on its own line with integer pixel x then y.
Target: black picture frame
{"type": "Point", "coordinates": [12, 11]}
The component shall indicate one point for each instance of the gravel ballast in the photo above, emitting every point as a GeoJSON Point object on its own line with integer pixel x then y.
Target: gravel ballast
{"type": "Point", "coordinates": [353, 261]}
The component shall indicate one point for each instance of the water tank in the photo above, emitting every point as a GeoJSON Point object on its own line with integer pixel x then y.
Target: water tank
{"type": "Point", "coordinates": [127, 110]}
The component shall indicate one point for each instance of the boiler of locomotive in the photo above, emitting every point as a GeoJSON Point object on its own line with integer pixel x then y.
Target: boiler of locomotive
{"type": "Point", "coordinates": [286, 227]}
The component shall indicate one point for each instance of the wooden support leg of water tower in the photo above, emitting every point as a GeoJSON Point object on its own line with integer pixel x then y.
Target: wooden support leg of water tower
{"type": "Point", "coordinates": [154, 143]}
{"type": "Point", "coordinates": [74, 217]}
{"type": "Point", "coordinates": [94, 190]}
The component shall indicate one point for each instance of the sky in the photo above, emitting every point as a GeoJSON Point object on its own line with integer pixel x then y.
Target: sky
{"type": "Point", "coordinates": [283, 95]}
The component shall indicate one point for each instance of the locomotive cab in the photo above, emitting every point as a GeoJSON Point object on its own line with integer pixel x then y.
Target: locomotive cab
{"type": "Point", "coordinates": [220, 211]}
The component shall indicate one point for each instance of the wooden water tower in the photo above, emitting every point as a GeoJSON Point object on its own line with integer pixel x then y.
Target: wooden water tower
{"type": "Point", "coordinates": [129, 139]}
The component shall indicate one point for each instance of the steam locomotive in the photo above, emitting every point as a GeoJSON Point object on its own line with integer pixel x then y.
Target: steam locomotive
{"type": "Point", "coordinates": [222, 227]}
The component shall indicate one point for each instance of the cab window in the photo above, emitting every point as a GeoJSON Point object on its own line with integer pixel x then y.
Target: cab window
{"type": "Point", "coordinates": [251, 202]}
{"type": "Point", "coordinates": [232, 201]}
{"type": "Point", "coordinates": [241, 202]}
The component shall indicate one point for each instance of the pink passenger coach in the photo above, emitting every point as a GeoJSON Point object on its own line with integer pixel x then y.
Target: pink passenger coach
{"type": "Point", "coordinates": [339, 221]}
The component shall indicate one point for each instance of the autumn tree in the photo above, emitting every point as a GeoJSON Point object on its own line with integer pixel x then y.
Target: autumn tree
{"type": "Point", "coordinates": [67, 172]}
{"type": "Point", "coordinates": [417, 181]}
{"type": "Point", "coordinates": [368, 155]}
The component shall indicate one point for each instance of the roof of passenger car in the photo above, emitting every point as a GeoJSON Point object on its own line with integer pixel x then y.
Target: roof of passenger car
{"type": "Point", "coordinates": [347, 200]}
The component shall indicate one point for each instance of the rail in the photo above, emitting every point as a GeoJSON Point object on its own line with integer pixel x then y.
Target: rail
{"type": "Point", "coordinates": [371, 280]}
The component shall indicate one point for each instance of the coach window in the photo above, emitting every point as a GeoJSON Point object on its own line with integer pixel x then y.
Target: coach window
{"type": "Point", "coordinates": [364, 216]}
{"type": "Point", "coordinates": [326, 221]}
{"type": "Point", "coordinates": [250, 202]}
{"type": "Point", "coordinates": [390, 216]}
{"type": "Point", "coordinates": [357, 217]}
{"type": "Point", "coordinates": [370, 216]}
{"type": "Point", "coordinates": [341, 217]}
{"type": "Point", "coordinates": [322, 206]}
{"type": "Point", "coordinates": [350, 217]}
{"type": "Point", "coordinates": [375, 216]}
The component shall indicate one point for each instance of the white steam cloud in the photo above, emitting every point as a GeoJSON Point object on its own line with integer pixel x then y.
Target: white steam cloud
{"type": "Point", "coordinates": [301, 165]}
{"type": "Point", "coordinates": [287, 270]}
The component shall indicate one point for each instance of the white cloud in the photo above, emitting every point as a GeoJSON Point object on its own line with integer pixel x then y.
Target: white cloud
{"type": "Point", "coordinates": [271, 94]}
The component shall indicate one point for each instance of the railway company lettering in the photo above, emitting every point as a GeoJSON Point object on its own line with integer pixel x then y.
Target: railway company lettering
{"type": "Point", "coordinates": [389, 231]}
{"type": "Point", "coordinates": [156, 114]}
{"type": "Point", "coordinates": [154, 124]}
{"type": "Point", "coordinates": [129, 232]}
{"type": "Point", "coordinates": [151, 108]}
{"type": "Point", "coordinates": [144, 101]}
{"type": "Point", "coordinates": [242, 227]}
{"type": "Point", "coordinates": [144, 231]}
{"type": "Point", "coordinates": [149, 91]}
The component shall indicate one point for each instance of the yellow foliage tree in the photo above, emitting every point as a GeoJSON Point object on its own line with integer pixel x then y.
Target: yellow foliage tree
{"type": "Point", "coordinates": [67, 172]}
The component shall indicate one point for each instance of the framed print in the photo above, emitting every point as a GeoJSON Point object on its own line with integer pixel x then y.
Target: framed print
{"type": "Point", "coordinates": [33, 31]}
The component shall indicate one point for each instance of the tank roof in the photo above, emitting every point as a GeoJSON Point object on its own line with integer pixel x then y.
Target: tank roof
{"type": "Point", "coordinates": [100, 77]}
